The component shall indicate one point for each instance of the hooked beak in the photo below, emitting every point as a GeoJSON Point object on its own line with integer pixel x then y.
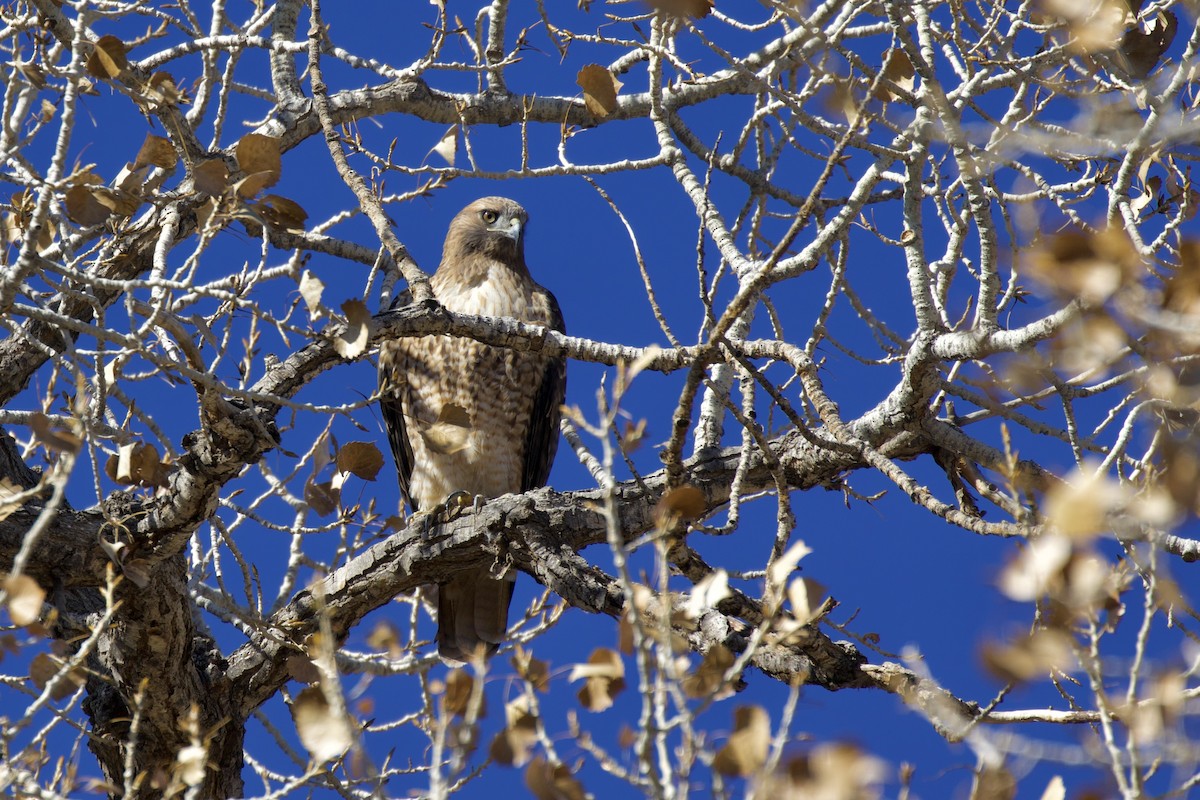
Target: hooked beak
{"type": "Point", "coordinates": [514, 230]}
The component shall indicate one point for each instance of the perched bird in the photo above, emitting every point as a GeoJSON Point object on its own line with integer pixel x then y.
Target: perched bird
{"type": "Point", "coordinates": [467, 417]}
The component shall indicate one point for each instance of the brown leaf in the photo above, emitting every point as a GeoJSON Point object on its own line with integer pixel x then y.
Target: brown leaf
{"type": "Point", "coordinates": [600, 89]}
{"type": "Point", "coordinates": [259, 154]}
{"type": "Point", "coordinates": [1091, 266]}
{"type": "Point", "coordinates": [25, 599]}
{"type": "Point", "coordinates": [708, 679]}
{"type": "Point", "coordinates": [352, 342]}
{"type": "Point", "coordinates": [898, 69]}
{"type": "Point", "coordinates": [254, 183]}
{"type": "Point", "coordinates": [302, 669]}
{"type": "Point", "coordinates": [280, 212]}
{"type": "Point", "coordinates": [447, 146]}
{"type": "Point", "coordinates": [362, 459]}
{"type": "Point", "coordinates": [42, 670]}
{"type": "Point", "coordinates": [834, 770]}
{"type": "Point", "coordinates": [385, 638]}
{"type": "Point", "coordinates": [536, 672]}
{"type": "Point", "coordinates": [119, 202]}
{"type": "Point", "coordinates": [512, 746]}
{"type": "Point", "coordinates": [460, 686]}
{"type": "Point", "coordinates": [9, 490]}
{"type": "Point", "coordinates": [805, 595]}
{"type": "Point", "coordinates": [108, 59]}
{"type": "Point", "coordinates": [211, 177]}
{"type": "Point", "coordinates": [137, 464]}
{"type": "Point", "coordinates": [156, 150]}
{"type": "Point", "coordinates": [994, 783]}
{"type": "Point", "coordinates": [1143, 48]}
{"type": "Point", "coordinates": [681, 504]}
{"type": "Point", "coordinates": [451, 432]}
{"type": "Point", "coordinates": [321, 497]}
{"type": "Point", "coordinates": [1043, 652]}
{"type": "Point", "coordinates": [51, 437]}
{"type": "Point", "coordinates": [162, 90]}
{"type": "Point", "coordinates": [324, 733]}
{"type": "Point", "coordinates": [552, 781]}
{"type": "Point", "coordinates": [698, 9]}
{"type": "Point", "coordinates": [605, 676]}
{"type": "Point", "coordinates": [311, 289]}
{"type": "Point", "coordinates": [84, 209]}
{"type": "Point", "coordinates": [746, 749]}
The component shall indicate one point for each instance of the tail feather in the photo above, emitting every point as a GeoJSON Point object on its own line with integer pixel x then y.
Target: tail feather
{"type": "Point", "coordinates": [472, 615]}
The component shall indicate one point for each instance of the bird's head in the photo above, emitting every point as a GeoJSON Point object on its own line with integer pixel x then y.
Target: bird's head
{"type": "Point", "coordinates": [491, 226]}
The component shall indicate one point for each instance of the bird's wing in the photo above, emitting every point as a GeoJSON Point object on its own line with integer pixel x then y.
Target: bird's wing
{"type": "Point", "coordinates": [541, 440]}
{"type": "Point", "coordinates": [391, 378]}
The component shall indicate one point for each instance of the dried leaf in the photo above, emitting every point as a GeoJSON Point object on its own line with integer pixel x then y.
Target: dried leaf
{"type": "Point", "coordinates": [708, 591]}
{"type": "Point", "coordinates": [836, 770]}
{"type": "Point", "coordinates": [83, 208]}
{"type": "Point", "coordinates": [1079, 506]}
{"type": "Point", "coordinates": [512, 746]}
{"type": "Point", "coordinates": [162, 91]}
{"type": "Point", "coordinates": [42, 670]}
{"type": "Point", "coordinates": [321, 497]}
{"type": "Point", "coordinates": [447, 146]}
{"type": "Point", "coordinates": [323, 732]}
{"type": "Point", "coordinates": [746, 749]}
{"type": "Point", "coordinates": [1037, 569]}
{"type": "Point", "coordinates": [9, 491]}
{"type": "Point", "coordinates": [1034, 656]}
{"type": "Point", "coordinates": [536, 672]}
{"type": "Point", "coordinates": [302, 669]}
{"type": "Point", "coordinates": [108, 60]}
{"type": "Point", "coordinates": [681, 504]}
{"type": "Point", "coordinates": [605, 676]}
{"type": "Point", "coordinates": [53, 438]}
{"type": "Point", "coordinates": [805, 595]}
{"type": "Point", "coordinates": [451, 432]}
{"type": "Point", "coordinates": [211, 177]}
{"type": "Point", "coordinates": [361, 459]}
{"type": "Point", "coordinates": [1055, 790]}
{"type": "Point", "coordinates": [697, 9]}
{"type": "Point", "coordinates": [994, 783]}
{"type": "Point", "coordinates": [311, 289]}
{"type": "Point", "coordinates": [708, 681]}
{"type": "Point", "coordinates": [1091, 266]}
{"type": "Point", "coordinates": [552, 781]}
{"type": "Point", "coordinates": [137, 464]}
{"type": "Point", "coordinates": [898, 69]}
{"type": "Point", "coordinates": [25, 599]}
{"type": "Point", "coordinates": [600, 89]}
{"type": "Point", "coordinates": [352, 342]}
{"type": "Point", "coordinates": [782, 568]}
{"type": "Point", "coordinates": [156, 151]}
{"type": "Point", "coordinates": [460, 686]}
{"type": "Point", "coordinates": [280, 212]}
{"type": "Point", "coordinates": [191, 763]}
{"type": "Point", "coordinates": [1142, 48]}
{"type": "Point", "coordinates": [257, 153]}
{"type": "Point", "coordinates": [254, 183]}
{"type": "Point", "coordinates": [385, 638]}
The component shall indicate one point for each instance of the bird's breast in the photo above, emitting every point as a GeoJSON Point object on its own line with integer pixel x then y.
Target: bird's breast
{"type": "Point", "coordinates": [501, 294]}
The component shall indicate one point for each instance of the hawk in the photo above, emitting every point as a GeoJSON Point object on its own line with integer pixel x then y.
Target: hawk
{"type": "Point", "coordinates": [462, 416]}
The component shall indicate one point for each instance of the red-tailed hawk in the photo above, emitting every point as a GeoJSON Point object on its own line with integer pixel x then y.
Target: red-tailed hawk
{"type": "Point", "coordinates": [466, 417]}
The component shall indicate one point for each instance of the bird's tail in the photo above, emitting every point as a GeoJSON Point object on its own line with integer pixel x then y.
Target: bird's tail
{"type": "Point", "coordinates": [472, 615]}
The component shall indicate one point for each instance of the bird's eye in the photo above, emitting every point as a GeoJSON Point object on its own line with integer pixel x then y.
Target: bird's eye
{"type": "Point", "coordinates": [489, 216]}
